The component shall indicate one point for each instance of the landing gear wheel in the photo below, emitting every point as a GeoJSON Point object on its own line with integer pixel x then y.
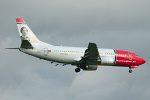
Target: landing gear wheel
{"type": "Point", "coordinates": [77, 70]}
{"type": "Point", "coordinates": [130, 71]}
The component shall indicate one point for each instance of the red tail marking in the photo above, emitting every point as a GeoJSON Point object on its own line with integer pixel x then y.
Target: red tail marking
{"type": "Point", "coordinates": [19, 20]}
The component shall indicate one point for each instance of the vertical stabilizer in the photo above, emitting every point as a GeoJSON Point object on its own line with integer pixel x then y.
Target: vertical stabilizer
{"type": "Point", "coordinates": [25, 32]}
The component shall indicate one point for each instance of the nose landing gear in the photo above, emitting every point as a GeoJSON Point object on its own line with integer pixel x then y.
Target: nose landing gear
{"type": "Point", "coordinates": [130, 70]}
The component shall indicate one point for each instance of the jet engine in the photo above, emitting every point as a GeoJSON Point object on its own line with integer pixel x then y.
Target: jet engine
{"type": "Point", "coordinates": [107, 60]}
{"type": "Point", "coordinates": [90, 67]}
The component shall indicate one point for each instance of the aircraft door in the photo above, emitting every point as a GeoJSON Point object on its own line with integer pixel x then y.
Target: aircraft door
{"type": "Point", "coordinates": [45, 51]}
{"type": "Point", "coordinates": [130, 56]}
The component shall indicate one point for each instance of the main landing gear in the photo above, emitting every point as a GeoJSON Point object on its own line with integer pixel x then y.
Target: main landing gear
{"type": "Point", "coordinates": [77, 70]}
{"type": "Point", "coordinates": [130, 70]}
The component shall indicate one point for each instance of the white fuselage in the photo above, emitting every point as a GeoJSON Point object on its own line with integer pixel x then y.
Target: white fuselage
{"type": "Point", "coordinates": [68, 55]}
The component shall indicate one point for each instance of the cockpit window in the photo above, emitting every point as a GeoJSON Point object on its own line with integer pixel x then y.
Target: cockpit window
{"type": "Point", "coordinates": [137, 55]}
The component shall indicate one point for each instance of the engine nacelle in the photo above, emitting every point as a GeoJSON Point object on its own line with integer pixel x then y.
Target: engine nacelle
{"type": "Point", "coordinates": [90, 67]}
{"type": "Point", "coordinates": [107, 61]}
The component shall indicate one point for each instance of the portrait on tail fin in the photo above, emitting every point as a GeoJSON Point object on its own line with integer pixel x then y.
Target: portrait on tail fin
{"type": "Point", "coordinates": [24, 32]}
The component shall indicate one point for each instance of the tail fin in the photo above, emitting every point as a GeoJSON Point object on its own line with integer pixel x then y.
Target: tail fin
{"type": "Point", "coordinates": [27, 36]}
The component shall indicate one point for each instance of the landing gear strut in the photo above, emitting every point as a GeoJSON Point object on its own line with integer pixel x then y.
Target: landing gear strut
{"type": "Point", "coordinates": [77, 70]}
{"type": "Point", "coordinates": [130, 70]}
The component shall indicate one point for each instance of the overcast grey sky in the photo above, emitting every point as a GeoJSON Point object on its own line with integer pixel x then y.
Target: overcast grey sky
{"type": "Point", "coordinates": [117, 24]}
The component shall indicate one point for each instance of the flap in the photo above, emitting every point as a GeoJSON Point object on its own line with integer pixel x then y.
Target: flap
{"type": "Point", "coordinates": [91, 55]}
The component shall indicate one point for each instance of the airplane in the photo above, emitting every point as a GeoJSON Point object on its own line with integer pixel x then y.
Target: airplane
{"type": "Point", "coordinates": [84, 58]}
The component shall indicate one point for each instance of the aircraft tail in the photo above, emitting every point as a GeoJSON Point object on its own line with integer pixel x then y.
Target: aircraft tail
{"type": "Point", "coordinates": [27, 36]}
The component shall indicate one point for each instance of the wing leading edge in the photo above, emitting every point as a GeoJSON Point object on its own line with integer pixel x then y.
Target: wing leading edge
{"type": "Point", "coordinates": [91, 55]}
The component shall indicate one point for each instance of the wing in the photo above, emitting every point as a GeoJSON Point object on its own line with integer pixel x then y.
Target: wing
{"type": "Point", "coordinates": [91, 55]}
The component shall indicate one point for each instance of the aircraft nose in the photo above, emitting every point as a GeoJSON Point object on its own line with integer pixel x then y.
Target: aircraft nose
{"type": "Point", "coordinates": [142, 61]}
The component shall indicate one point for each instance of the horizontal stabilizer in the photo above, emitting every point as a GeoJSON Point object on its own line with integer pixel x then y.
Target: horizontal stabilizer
{"type": "Point", "coordinates": [11, 48]}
